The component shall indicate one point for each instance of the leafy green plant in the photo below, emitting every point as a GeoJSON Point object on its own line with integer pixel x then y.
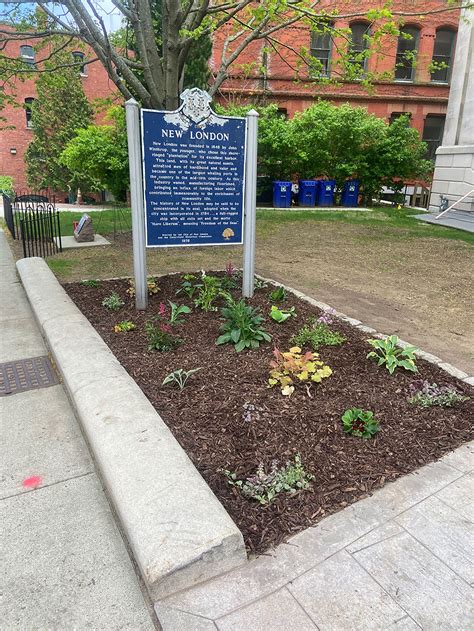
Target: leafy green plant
{"type": "Point", "coordinates": [151, 286]}
{"type": "Point", "coordinates": [176, 311]}
{"type": "Point", "coordinates": [258, 283]}
{"type": "Point", "coordinates": [90, 283]}
{"type": "Point", "coordinates": [388, 353]}
{"type": "Point", "coordinates": [160, 336]}
{"type": "Point", "coordinates": [113, 302]}
{"type": "Point", "coordinates": [209, 289]}
{"type": "Point", "coordinates": [179, 377]}
{"type": "Point", "coordinates": [360, 423]}
{"type": "Point", "coordinates": [278, 295]}
{"type": "Point", "coordinates": [188, 286]}
{"type": "Point", "coordinates": [427, 394]}
{"type": "Point", "coordinates": [316, 334]}
{"type": "Point", "coordinates": [124, 326]}
{"type": "Point", "coordinates": [242, 326]}
{"type": "Point", "coordinates": [281, 315]}
{"type": "Point", "coordinates": [294, 367]}
{"type": "Point", "coordinates": [264, 486]}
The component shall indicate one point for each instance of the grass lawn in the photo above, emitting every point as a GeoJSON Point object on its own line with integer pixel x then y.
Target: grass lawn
{"type": "Point", "coordinates": [383, 267]}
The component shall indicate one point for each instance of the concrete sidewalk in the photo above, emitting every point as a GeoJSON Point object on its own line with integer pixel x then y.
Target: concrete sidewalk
{"type": "Point", "coordinates": [64, 562]}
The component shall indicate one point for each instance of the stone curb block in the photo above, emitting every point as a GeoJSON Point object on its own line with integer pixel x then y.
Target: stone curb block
{"type": "Point", "coordinates": [177, 529]}
{"type": "Point", "coordinates": [432, 359]}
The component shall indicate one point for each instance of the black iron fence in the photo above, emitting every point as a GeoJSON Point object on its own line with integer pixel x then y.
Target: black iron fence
{"type": "Point", "coordinates": [34, 220]}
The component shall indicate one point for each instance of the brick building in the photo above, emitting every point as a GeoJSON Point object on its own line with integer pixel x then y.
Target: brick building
{"type": "Point", "coordinates": [404, 86]}
{"type": "Point", "coordinates": [14, 141]}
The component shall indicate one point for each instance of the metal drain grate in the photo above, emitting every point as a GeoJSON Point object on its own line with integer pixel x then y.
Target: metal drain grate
{"type": "Point", "coordinates": [26, 374]}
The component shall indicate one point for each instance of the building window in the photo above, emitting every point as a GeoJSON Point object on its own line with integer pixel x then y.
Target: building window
{"type": "Point", "coordinates": [395, 115]}
{"type": "Point", "coordinates": [406, 53]}
{"type": "Point", "coordinates": [321, 45]}
{"type": "Point", "coordinates": [28, 104]}
{"type": "Point", "coordinates": [433, 133]}
{"type": "Point", "coordinates": [359, 44]}
{"type": "Point", "coordinates": [443, 55]}
{"type": "Point", "coordinates": [79, 58]}
{"type": "Point", "coordinates": [27, 54]}
{"type": "Point", "coordinates": [282, 112]}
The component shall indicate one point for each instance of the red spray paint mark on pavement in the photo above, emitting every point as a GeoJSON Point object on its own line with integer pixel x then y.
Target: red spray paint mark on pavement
{"type": "Point", "coordinates": [33, 482]}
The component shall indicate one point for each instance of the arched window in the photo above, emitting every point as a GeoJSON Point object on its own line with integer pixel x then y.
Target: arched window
{"type": "Point", "coordinates": [406, 53]}
{"type": "Point", "coordinates": [443, 55]}
{"type": "Point", "coordinates": [79, 58]}
{"type": "Point", "coordinates": [359, 44]}
{"type": "Point", "coordinates": [28, 103]}
{"type": "Point", "coordinates": [321, 47]}
{"type": "Point", "coordinates": [27, 54]}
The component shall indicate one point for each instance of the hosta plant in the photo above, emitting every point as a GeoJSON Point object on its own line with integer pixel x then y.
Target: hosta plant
{"type": "Point", "coordinates": [242, 326]}
{"type": "Point", "coordinates": [124, 326]}
{"type": "Point", "coordinates": [113, 302]}
{"type": "Point", "coordinates": [264, 486]}
{"type": "Point", "coordinates": [294, 367]}
{"type": "Point", "coordinates": [278, 295]}
{"type": "Point", "coordinates": [360, 423]}
{"type": "Point", "coordinates": [427, 394]}
{"type": "Point", "coordinates": [151, 286]}
{"type": "Point", "coordinates": [179, 377]}
{"type": "Point", "coordinates": [388, 353]}
{"type": "Point", "coordinates": [281, 315]}
{"type": "Point", "coordinates": [315, 334]}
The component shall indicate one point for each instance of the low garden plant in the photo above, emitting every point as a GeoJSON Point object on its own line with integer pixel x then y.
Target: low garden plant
{"type": "Point", "coordinates": [278, 295]}
{"type": "Point", "coordinates": [151, 285]}
{"type": "Point", "coordinates": [124, 326]}
{"type": "Point", "coordinates": [113, 302]}
{"type": "Point", "coordinates": [189, 285]}
{"type": "Point", "coordinates": [281, 315]}
{"type": "Point", "coordinates": [179, 377]}
{"type": "Point", "coordinates": [242, 326]}
{"type": "Point", "coordinates": [427, 394]}
{"type": "Point", "coordinates": [265, 486]}
{"type": "Point", "coordinates": [177, 311]}
{"type": "Point", "coordinates": [360, 423]}
{"type": "Point", "coordinates": [251, 412]}
{"type": "Point", "coordinates": [160, 335]}
{"type": "Point", "coordinates": [90, 283]}
{"type": "Point", "coordinates": [388, 353]}
{"type": "Point", "coordinates": [294, 367]}
{"type": "Point", "coordinates": [317, 333]}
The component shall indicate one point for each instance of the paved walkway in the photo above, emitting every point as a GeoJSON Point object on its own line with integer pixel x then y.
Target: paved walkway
{"type": "Point", "coordinates": [64, 563]}
{"type": "Point", "coordinates": [402, 560]}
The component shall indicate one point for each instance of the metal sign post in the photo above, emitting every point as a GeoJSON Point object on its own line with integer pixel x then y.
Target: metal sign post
{"type": "Point", "coordinates": [250, 205]}
{"type": "Point", "coordinates": [136, 193]}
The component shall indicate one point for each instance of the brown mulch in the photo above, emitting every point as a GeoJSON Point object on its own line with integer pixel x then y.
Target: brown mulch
{"type": "Point", "coordinates": [207, 417]}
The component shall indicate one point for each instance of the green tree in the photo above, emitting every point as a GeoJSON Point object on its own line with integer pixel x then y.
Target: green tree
{"type": "Point", "coordinates": [60, 109]}
{"type": "Point", "coordinates": [97, 156]}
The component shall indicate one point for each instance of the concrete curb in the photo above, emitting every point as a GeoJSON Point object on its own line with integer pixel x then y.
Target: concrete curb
{"type": "Point", "coordinates": [432, 359]}
{"type": "Point", "coordinates": [177, 529]}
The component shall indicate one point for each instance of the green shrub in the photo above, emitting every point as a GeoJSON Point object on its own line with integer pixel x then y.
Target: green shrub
{"type": "Point", "coordinates": [242, 326]}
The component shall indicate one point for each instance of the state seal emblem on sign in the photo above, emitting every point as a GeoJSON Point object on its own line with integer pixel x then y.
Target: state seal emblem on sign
{"type": "Point", "coordinates": [195, 110]}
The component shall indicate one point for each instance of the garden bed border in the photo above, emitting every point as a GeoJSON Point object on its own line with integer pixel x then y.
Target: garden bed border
{"type": "Point", "coordinates": [178, 531]}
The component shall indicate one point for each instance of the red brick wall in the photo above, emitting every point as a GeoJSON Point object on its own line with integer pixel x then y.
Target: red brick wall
{"type": "Point", "coordinates": [96, 85]}
{"type": "Point", "coordinates": [420, 98]}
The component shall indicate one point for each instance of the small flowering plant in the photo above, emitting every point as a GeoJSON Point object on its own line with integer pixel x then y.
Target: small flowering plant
{"type": "Point", "coordinates": [124, 326]}
{"type": "Point", "coordinates": [264, 486]}
{"type": "Point", "coordinates": [113, 302]}
{"type": "Point", "coordinates": [326, 317]}
{"type": "Point", "coordinates": [427, 394]}
{"type": "Point", "coordinates": [360, 423]}
{"type": "Point", "coordinates": [159, 332]}
{"type": "Point", "coordinates": [292, 367]}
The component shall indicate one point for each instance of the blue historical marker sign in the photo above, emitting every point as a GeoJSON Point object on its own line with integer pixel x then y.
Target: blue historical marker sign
{"type": "Point", "coordinates": [193, 168]}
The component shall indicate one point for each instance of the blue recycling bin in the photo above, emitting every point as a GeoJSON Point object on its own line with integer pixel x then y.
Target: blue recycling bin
{"type": "Point", "coordinates": [350, 193]}
{"type": "Point", "coordinates": [281, 194]}
{"type": "Point", "coordinates": [307, 192]}
{"type": "Point", "coordinates": [326, 192]}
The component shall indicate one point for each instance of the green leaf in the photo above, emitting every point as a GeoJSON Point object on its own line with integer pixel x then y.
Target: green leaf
{"type": "Point", "coordinates": [235, 335]}
{"type": "Point", "coordinates": [240, 346]}
{"type": "Point", "coordinates": [223, 339]}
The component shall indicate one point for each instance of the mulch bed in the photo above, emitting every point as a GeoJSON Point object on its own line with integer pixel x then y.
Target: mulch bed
{"type": "Point", "coordinates": [207, 417]}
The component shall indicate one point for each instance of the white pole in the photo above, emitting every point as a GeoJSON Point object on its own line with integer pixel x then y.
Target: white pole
{"type": "Point", "coordinates": [132, 114]}
{"type": "Point", "coordinates": [250, 204]}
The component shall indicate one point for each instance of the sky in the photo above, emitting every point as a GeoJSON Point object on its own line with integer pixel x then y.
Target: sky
{"type": "Point", "coordinates": [111, 16]}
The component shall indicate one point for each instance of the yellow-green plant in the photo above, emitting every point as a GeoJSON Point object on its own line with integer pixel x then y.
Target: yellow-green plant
{"type": "Point", "coordinates": [124, 326]}
{"type": "Point", "coordinates": [151, 284]}
{"type": "Point", "coordinates": [293, 367]}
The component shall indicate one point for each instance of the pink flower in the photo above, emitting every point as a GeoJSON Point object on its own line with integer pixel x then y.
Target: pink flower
{"type": "Point", "coordinates": [162, 309]}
